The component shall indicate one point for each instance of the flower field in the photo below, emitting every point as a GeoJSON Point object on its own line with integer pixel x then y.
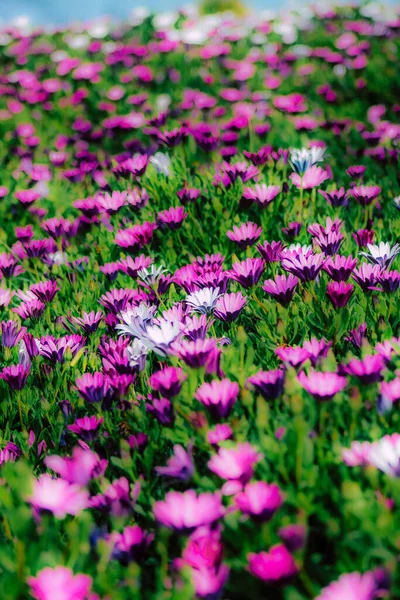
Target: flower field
{"type": "Point", "coordinates": [200, 351]}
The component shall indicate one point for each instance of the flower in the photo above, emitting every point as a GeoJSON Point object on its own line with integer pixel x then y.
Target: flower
{"type": "Point", "coordinates": [385, 455]}
{"type": "Point", "coordinates": [129, 545]}
{"type": "Point", "coordinates": [87, 427]}
{"type": "Point", "coordinates": [339, 293]}
{"type": "Point", "coordinates": [303, 159]}
{"type": "Point", "coordinates": [272, 566]}
{"type": "Point", "coordinates": [354, 586]}
{"type": "Point", "coordinates": [218, 396]}
{"type": "Point", "coordinates": [312, 178]}
{"type": "Point", "coordinates": [282, 289]}
{"type": "Point", "coordinates": [270, 251]}
{"type": "Point", "coordinates": [168, 381]}
{"type": "Point", "coordinates": [365, 194]}
{"type": "Point", "coordinates": [261, 194]}
{"type": "Point", "coordinates": [305, 267]}
{"type": "Point", "coordinates": [381, 254]}
{"type": "Point", "coordinates": [162, 163]}
{"type": "Point", "coordinates": [60, 584]}
{"type": "Point", "coordinates": [259, 500]}
{"type": "Point", "coordinates": [322, 386]}
{"type": "Point", "coordinates": [335, 197]}
{"type": "Point", "coordinates": [83, 466]}
{"type": "Point", "coordinates": [180, 465]}
{"type": "Point", "coordinates": [248, 272]}
{"type": "Point", "coordinates": [339, 268]}
{"type": "Point", "coordinates": [368, 369]}
{"type": "Point", "coordinates": [185, 511]}
{"type": "Point", "coordinates": [15, 376]}
{"type": "Point", "coordinates": [245, 235]}
{"type": "Point", "coordinates": [203, 301]}
{"type": "Point", "coordinates": [229, 306]}
{"type": "Point", "coordinates": [58, 496]}
{"type": "Point", "coordinates": [268, 383]}
{"type": "Point", "coordinates": [235, 463]}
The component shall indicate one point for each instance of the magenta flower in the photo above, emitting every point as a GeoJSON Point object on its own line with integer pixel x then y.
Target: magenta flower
{"type": "Point", "coordinates": [11, 333]}
{"type": "Point", "coordinates": [168, 381]}
{"type": "Point", "coordinates": [339, 293]}
{"type": "Point", "coordinates": [356, 171]}
{"type": "Point", "coordinates": [268, 383]}
{"type": "Point", "coordinates": [294, 356]}
{"type": "Point", "coordinates": [220, 433]}
{"type": "Point", "coordinates": [259, 500]}
{"type": "Point", "coordinates": [45, 290]}
{"type": "Point", "coordinates": [60, 584]}
{"type": "Point", "coordinates": [87, 427]}
{"type": "Point", "coordinates": [275, 565]}
{"type": "Point", "coordinates": [389, 281]}
{"type": "Point", "coordinates": [236, 463]}
{"type": "Point", "coordinates": [281, 289]}
{"type": "Point", "coordinates": [195, 354]}
{"type": "Point", "coordinates": [112, 203]}
{"type": "Point", "coordinates": [218, 397]}
{"type": "Point", "coordinates": [83, 466]}
{"type": "Point", "coordinates": [89, 322]}
{"type": "Point", "coordinates": [229, 306]}
{"type": "Point", "coordinates": [335, 197]}
{"type": "Point", "coordinates": [180, 465]}
{"type": "Point", "coordinates": [58, 497]}
{"type": "Point", "coordinates": [261, 194]}
{"type": "Point", "coordinates": [248, 272]}
{"type": "Point", "coordinates": [312, 178]}
{"type": "Point", "coordinates": [367, 276]}
{"type": "Point", "coordinates": [322, 386]}
{"type": "Point", "coordinates": [185, 511]}
{"type": "Point", "coordinates": [363, 237]}
{"type": "Point", "coordinates": [187, 195]}
{"type": "Point", "coordinates": [130, 545]}
{"type": "Point", "coordinates": [172, 218]}
{"type": "Point", "coordinates": [317, 349]}
{"type": "Point", "coordinates": [208, 583]}
{"type": "Point", "coordinates": [245, 235]}
{"type": "Point", "coordinates": [30, 310]}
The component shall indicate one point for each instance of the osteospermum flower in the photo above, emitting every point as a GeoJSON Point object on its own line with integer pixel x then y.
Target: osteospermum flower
{"type": "Point", "coordinates": [322, 385]}
{"type": "Point", "coordinates": [172, 218]}
{"type": "Point", "coordinates": [268, 383]}
{"type": "Point", "coordinates": [305, 267]}
{"type": "Point", "coordinates": [339, 268]}
{"type": "Point", "coordinates": [245, 235]}
{"type": "Point", "coordinates": [236, 463]}
{"type": "Point", "coordinates": [335, 197]}
{"type": "Point", "coordinates": [15, 376]}
{"type": "Point", "coordinates": [339, 293]}
{"type": "Point", "coordinates": [185, 511]}
{"type": "Point", "coordinates": [229, 306]}
{"type": "Point", "coordinates": [92, 387]}
{"type": "Point", "coordinates": [218, 396]}
{"type": "Point", "coordinates": [259, 500]}
{"type": "Point", "coordinates": [368, 369]}
{"type": "Point", "coordinates": [58, 497]}
{"type": "Point", "coordinates": [87, 427]}
{"type": "Point", "coordinates": [248, 272]}
{"type": "Point", "coordinates": [60, 583]}
{"type": "Point", "coordinates": [281, 289]}
{"type": "Point", "coordinates": [203, 301]}
{"type": "Point", "coordinates": [261, 194]}
{"type": "Point", "coordinates": [303, 159]}
{"type": "Point", "coordinates": [272, 566]}
{"type": "Point", "coordinates": [381, 254]}
{"type": "Point", "coordinates": [365, 194]}
{"type": "Point", "coordinates": [270, 251]}
{"type": "Point", "coordinates": [312, 178]}
{"type": "Point", "coordinates": [356, 586]}
{"type": "Point", "coordinates": [180, 464]}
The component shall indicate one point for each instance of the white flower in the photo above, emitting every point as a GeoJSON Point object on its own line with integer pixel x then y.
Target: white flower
{"type": "Point", "coordinates": [151, 275]}
{"type": "Point", "coordinates": [303, 159]}
{"type": "Point", "coordinates": [385, 455]}
{"type": "Point", "coordinates": [159, 337]}
{"type": "Point", "coordinates": [135, 320]}
{"type": "Point", "coordinates": [137, 353]}
{"type": "Point", "coordinates": [204, 300]}
{"type": "Point", "coordinates": [162, 163]}
{"type": "Point", "coordinates": [381, 254]}
{"type": "Point", "coordinates": [396, 202]}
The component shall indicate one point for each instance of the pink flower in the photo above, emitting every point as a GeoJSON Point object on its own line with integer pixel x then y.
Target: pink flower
{"type": "Point", "coordinates": [312, 178]}
{"type": "Point", "coordinates": [353, 586]}
{"type": "Point", "coordinates": [272, 566]}
{"type": "Point", "coordinates": [59, 584]}
{"type": "Point", "coordinates": [58, 496]}
{"type": "Point", "coordinates": [185, 511]}
{"type": "Point", "coordinates": [83, 466]}
{"type": "Point", "coordinates": [180, 465]}
{"type": "Point", "coordinates": [259, 500]}
{"type": "Point", "coordinates": [323, 386]}
{"type": "Point", "coordinates": [218, 396]}
{"type": "Point", "coordinates": [235, 463]}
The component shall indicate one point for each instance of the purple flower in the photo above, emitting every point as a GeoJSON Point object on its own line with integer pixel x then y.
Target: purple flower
{"type": "Point", "coordinates": [306, 268]}
{"type": "Point", "coordinates": [218, 397]}
{"type": "Point", "coordinates": [355, 586]}
{"type": "Point", "coordinates": [89, 321]}
{"type": "Point", "coordinates": [161, 409]}
{"type": "Point", "coordinates": [180, 465]}
{"type": "Point", "coordinates": [382, 254]}
{"type": "Point", "coordinates": [93, 387]}
{"type": "Point", "coordinates": [45, 290]}
{"type": "Point", "coordinates": [129, 545]}
{"type": "Point", "coordinates": [185, 511]}
{"type": "Point", "coordinates": [131, 266]}
{"type": "Point", "coordinates": [9, 266]}
{"type": "Point", "coordinates": [30, 310]}
{"type": "Point", "coordinates": [187, 195]}
{"type": "Point", "coordinates": [322, 386]}
{"type": "Point", "coordinates": [390, 281]}
{"type": "Point", "coordinates": [87, 427]}
{"type": "Point", "coordinates": [365, 194]}
{"type": "Point", "coordinates": [268, 383]}
{"type": "Point", "coordinates": [81, 468]}
{"type": "Point", "coordinates": [11, 333]}
{"type": "Point", "coordinates": [339, 268]}
{"type": "Point", "coordinates": [275, 565]}
{"type": "Point", "coordinates": [339, 293]}
{"type": "Point", "coordinates": [335, 197]}
{"type": "Point", "coordinates": [248, 272]}
{"type": "Point", "coordinates": [245, 235]}
{"type": "Point", "coordinates": [367, 276]}
{"type": "Point", "coordinates": [55, 350]}
{"type": "Point", "coordinates": [270, 251]}
{"type": "Point", "coordinates": [259, 500]}
{"type": "Point", "coordinates": [15, 376]}
{"type": "Point", "coordinates": [356, 171]}
{"type": "Point", "coordinates": [357, 335]}
{"type": "Point", "coordinates": [363, 237]}
{"type": "Point", "coordinates": [196, 354]}
{"type": "Point", "coordinates": [135, 166]}
{"type": "Point", "coordinates": [168, 381]}
{"type": "Point", "coordinates": [329, 242]}
{"type": "Point", "coordinates": [293, 536]}
{"type": "Point", "coordinates": [220, 433]}
{"type": "Point", "coordinates": [294, 356]}
{"type": "Point", "coordinates": [282, 289]}
{"type": "Point", "coordinates": [112, 203]}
